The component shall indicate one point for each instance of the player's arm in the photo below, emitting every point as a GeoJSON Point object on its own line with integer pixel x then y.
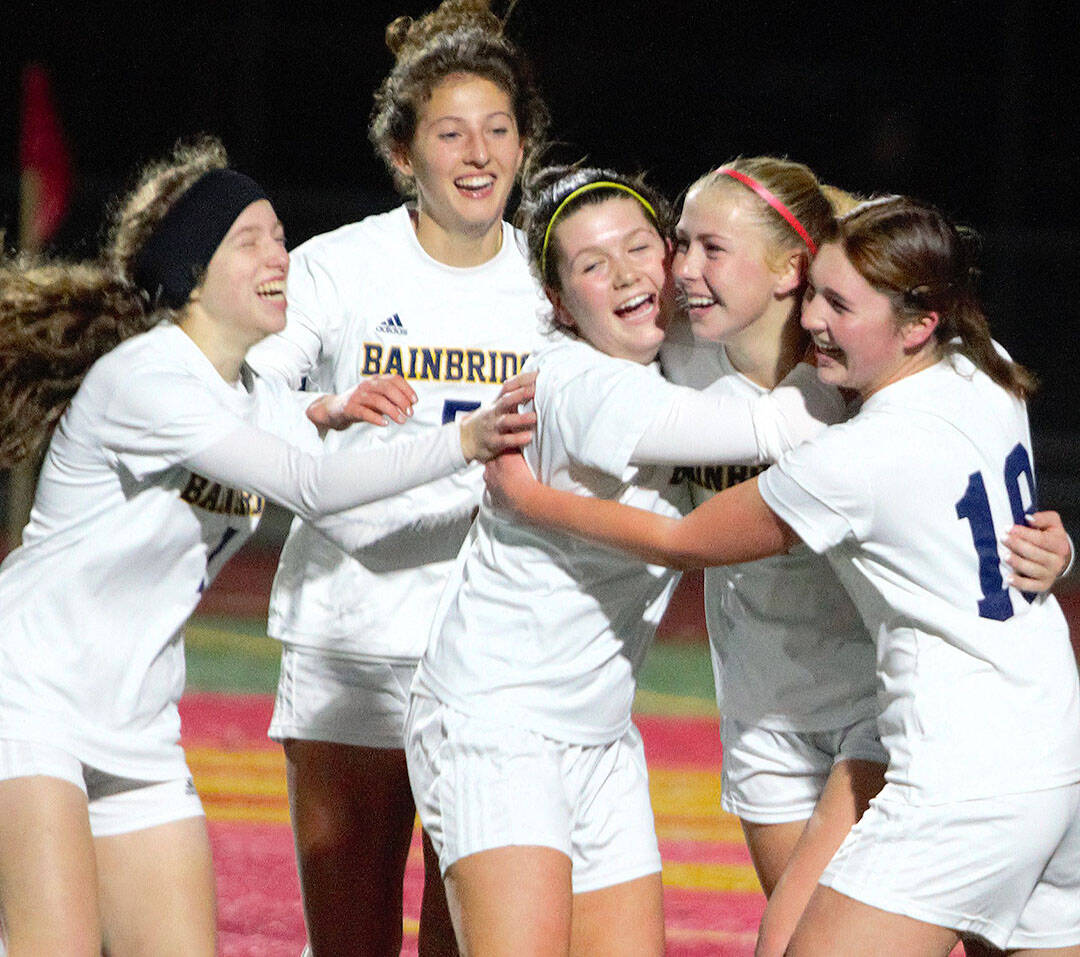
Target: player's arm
{"type": "Point", "coordinates": [1039, 552]}
{"type": "Point", "coordinates": [734, 526]}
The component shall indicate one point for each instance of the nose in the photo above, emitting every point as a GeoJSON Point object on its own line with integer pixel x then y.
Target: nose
{"type": "Point", "coordinates": [476, 149]}
{"type": "Point", "coordinates": [811, 316]}
{"type": "Point", "coordinates": [625, 272]}
{"type": "Point", "coordinates": [684, 265]}
{"type": "Point", "coordinates": [277, 255]}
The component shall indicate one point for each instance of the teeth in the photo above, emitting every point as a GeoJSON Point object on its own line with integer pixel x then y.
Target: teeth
{"type": "Point", "coordinates": [633, 303]}
{"type": "Point", "coordinates": [474, 182]}
{"type": "Point", "coordinates": [275, 287]}
{"type": "Point", "coordinates": [699, 302]}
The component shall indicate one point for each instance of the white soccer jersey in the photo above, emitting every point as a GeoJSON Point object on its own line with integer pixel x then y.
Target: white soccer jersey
{"type": "Point", "coordinates": [788, 648]}
{"type": "Point", "coordinates": [138, 505]}
{"type": "Point", "coordinates": [121, 543]}
{"type": "Point", "coordinates": [909, 500]}
{"type": "Point", "coordinates": [363, 300]}
{"type": "Point", "coordinates": [539, 628]}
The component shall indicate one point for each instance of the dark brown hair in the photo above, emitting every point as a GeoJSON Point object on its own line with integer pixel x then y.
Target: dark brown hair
{"type": "Point", "coordinates": [912, 253]}
{"type": "Point", "coordinates": [458, 37]}
{"type": "Point", "coordinates": [545, 189]}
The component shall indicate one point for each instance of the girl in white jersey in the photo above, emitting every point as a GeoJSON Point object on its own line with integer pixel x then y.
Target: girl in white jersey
{"type": "Point", "coordinates": [157, 471]}
{"type": "Point", "coordinates": [793, 665]}
{"type": "Point", "coordinates": [977, 830]}
{"type": "Point", "coordinates": [437, 291]}
{"type": "Point", "coordinates": [527, 771]}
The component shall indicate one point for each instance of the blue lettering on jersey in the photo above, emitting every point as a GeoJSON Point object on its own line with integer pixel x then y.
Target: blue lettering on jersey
{"type": "Point", "coordinates": [716, 478]}
{"type": "Point", "coordinates": [440, 364]}
{"type": "Point", "coordinates": [213, 497]}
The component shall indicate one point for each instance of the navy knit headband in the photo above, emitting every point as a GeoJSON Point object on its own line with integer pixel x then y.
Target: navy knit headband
{"type": "Point", "coordinates": [180, 248]}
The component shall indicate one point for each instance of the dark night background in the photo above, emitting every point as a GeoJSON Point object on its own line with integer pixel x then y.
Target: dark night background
{"type": "Point", "coordinates": [968, 105]}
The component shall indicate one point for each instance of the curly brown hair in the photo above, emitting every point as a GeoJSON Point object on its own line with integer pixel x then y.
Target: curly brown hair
{"type": "Point", "coordinates": [458, 37]}
{"type": "Point", "coordinates": [57, 318]}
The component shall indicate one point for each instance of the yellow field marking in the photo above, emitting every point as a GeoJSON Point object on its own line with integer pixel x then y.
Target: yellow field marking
{"type": "Point", "coordinates": [208, 638]}
{"type": "Point", "coordinates": [711, 877]}
{"type": "Point", "coordinates": [677, 706]}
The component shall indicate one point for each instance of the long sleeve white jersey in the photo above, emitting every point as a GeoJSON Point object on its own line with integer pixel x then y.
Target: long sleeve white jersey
{"type": "Point", "coordinates": [545, 630]}
{"type": "Point", "coordinates": [789, 650]}
{"type": "Point", "coordinates": [156, 474]}
{"type": "Point", "coordinates": [367, 299]}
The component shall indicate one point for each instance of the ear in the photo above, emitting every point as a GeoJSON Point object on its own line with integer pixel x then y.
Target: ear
{"type": "Point", "coordinates": [918, 330]}
{"type": "Point", "coordinates": [791, 274]}
{"type": "Point", "coordinates": [399, 156]}
{"type": "Point", "coordinates": [562, 317]}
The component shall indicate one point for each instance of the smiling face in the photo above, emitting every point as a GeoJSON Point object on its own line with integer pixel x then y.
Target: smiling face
{"type": "Point", "coordinates": [723, 265]}
{"type": "Point", "coordinates": [244, 287]}
{"type": "Point", "coordinates": [612, 268]}
{"type": "Point", "coordinates": [859, 342]}
{"type": "Point", "coordinates": [464, 155]}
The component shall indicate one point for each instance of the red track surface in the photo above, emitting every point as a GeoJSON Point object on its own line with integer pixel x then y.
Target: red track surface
{"type": "Point", "coordinates": [712, 900]}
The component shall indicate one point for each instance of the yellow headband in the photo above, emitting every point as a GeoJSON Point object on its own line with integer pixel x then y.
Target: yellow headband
{"type": "Point", "coordinates": [602, 183]}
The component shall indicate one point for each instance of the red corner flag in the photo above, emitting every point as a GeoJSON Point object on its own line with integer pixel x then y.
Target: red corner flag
{"type": "Point", "coordinates": [44, 163]}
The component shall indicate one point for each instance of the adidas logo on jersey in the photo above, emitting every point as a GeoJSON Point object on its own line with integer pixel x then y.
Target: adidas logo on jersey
{"type": "Point", "coordinates": [393, 325]}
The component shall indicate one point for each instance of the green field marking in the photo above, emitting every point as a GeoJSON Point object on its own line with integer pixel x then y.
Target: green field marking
{"type": "Point", "coordinates": [231, 655]}
{"type": "Point", "coordinates": [234, 655]}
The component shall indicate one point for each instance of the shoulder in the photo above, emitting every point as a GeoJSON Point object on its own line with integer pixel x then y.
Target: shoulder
{"type": "Point", "coordinates": [369, 235]}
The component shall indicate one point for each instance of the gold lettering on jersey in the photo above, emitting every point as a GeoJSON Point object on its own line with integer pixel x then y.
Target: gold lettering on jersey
{"type": "Point", "coordinates": [438, 364]}
{"type": "Point", "coordinates": [213, 497]}
{"type": "Point", "coordinates": [716, 478]}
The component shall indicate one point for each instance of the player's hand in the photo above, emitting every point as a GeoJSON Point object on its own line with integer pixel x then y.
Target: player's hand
{"type": "Point", "coordinates": [510, 482]}
{"type": "Point", "coordinates": [376, 401]}
{"type": "Point", "coordinates": [500, 427]}
{"type": "Point", "coordinates": [1038, 552]}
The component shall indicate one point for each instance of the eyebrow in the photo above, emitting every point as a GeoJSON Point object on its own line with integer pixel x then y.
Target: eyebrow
{"type": "Point", "coordinates": [454, 118]}
{"type": "Point", "coordinates": [628, 237]}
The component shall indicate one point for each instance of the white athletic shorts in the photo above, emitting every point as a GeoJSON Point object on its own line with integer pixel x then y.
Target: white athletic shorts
{"type": "Point", "coordinates": [482, 784]}
{"type": "Point", "coordinates": [1006, 868]}
{"type": "Point", "coordinates": [324, 697]}
{"type": "Point", "coordinates": [772, 777]}
{"type": "Point", "coordinates": [117, 805]}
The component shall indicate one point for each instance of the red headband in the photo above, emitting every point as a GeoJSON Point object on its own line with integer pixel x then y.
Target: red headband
{"type": "Point", "coordinates": [774, 201]}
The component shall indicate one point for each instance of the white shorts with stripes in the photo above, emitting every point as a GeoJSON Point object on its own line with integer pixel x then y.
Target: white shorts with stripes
{"type": "Point", "coordinates": [772, 777]}
{"type": "Point", "coordinates": [343, 700]}
{"type": "Point", "coordinates": [480, 785]}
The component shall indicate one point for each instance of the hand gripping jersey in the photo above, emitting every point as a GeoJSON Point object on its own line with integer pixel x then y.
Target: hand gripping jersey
{"type": "Point", "coordinates": [909, 500]}
{"type": "Point", "coordinates": [541, 629]}
{"type": "Point", "coordinates": [122, 541]}
{"type": "Point", "coordinates": [367, 299]}
{"type": "Point", "coordinates": [788, 648]}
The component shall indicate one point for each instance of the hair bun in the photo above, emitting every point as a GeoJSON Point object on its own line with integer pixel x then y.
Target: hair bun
{"type": "Point", "coordinates": [397, 33]}
{"type": "Point", "coordinates": [405, 33]}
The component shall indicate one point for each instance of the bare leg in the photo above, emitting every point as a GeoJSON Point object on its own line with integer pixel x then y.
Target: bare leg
{"type": "Point", "coordinates": [626, 920]}
{"type": "Point", "coordinates": [771, 847]}
{"type": "Point", "coordinates": [48, 881]}
{"type": "Point", "coordinates": [835, 925]}
{"type": "Point", "coordinates": [352, 813]}
{"type": "Point", "coordinates": [436, 929]}
{"type": "Point", "coordinates": [511, 901]}
{"type": "Point", "coordinates": [844, 799]}
{"type": "Point", "coordinates": [178, 916]}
